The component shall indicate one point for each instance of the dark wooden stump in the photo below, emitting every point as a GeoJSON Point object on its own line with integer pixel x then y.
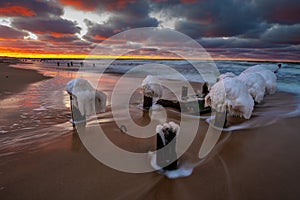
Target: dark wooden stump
{"type": "Point", "coordinates": [147, 103]}
{"type": "Point", "coordinates": [170, 150]}
{"type": "Point", "coordinates": [186, 106]}
{"type": "Point", "coordinates": [160, 151]}
{"type": "Point", "coordinates": [166, 156]}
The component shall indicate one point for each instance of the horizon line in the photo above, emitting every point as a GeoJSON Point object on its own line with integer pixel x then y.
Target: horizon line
{"type": "Point", "coordinates": [137, 57]}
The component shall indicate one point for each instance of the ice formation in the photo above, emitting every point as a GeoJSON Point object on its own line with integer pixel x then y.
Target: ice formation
{"type": "Point", "coordinates": [256, 85]}
{"type": "Point", "coordinates": [230, 94]}
{"type": "Point", "coordinates": [268, 75]}
{"type": "Point", "coordinates": [86, 98]}
{"type": "Point", "coordinates": [152, 87]}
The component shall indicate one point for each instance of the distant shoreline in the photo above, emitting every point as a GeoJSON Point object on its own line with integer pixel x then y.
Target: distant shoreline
{"type": "Point", "coordinates": [6, 59]}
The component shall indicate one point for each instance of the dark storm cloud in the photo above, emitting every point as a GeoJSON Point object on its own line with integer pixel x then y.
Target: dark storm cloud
{"type": "Point", "coordinates": [131, 15]}
{"type": "Point", "coordinates": [256, 32]}
{"type": "Point", "coordinates": [212, 18]}
{"type": "Point", "coordinates": [14, 8]}
{"type": "Point", "coordinates": [61, 39]}
{"type": "Point", "coordinates": [230, 27]}
{"type": "Point", "coordinates": [11, 33]}
{"type": "Point", "coordinates": [283, 34]}
{"type": "Point", "coordinates": [98, 32]}
{"type": "Point", "coordinates": [55, 26]}
{"type": "Point", "coordinates": [279, 11]}
{"type": "Point", "coordinates": [42, 18]}
{"type": "Point", "coordinates": [245, 24]}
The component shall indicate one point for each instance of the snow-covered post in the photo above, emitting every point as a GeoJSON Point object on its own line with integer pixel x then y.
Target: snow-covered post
{"type": "Point", "coordinates": [151, 89]}
{"type": "Point", "coordinates": [84, 100]}
{"type": "Point", "coordinates": [166, 156]}
{"type": "Point", "coordinates": [75, 113]}
{"type": "Point", "coordinates": [229, 95]}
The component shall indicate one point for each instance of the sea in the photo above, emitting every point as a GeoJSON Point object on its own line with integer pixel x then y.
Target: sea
{"type": "Point", "coordinates": [288, 76]}
{"type": "Point", "coordinates": [39, 108]}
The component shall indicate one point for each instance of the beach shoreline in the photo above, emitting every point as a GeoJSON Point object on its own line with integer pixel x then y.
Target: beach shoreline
{"type": "Point", "coordinates": [253, 163]}
{"type": "Point", "coordinates": [14, 80]}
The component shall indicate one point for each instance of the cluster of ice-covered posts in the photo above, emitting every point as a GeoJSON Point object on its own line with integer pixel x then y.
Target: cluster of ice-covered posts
{"type": "Point", "coordinates": [237, 95]}
{"type": "Point", "coordinates": [231, 94]}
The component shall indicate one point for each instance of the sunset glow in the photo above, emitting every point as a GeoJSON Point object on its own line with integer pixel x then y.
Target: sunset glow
{"type": "Point", "coordinates": [254, 30]}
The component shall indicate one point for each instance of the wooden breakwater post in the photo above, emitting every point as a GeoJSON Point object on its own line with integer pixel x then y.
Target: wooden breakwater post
{"type": "Point", "coordinates": [194, 105]}
{"type": "Point", "coordinates": [147, 103]}
{"type": "Point", "coordinates": [166, 156]}
{"type": "Point", "coordinates": [77, 117]}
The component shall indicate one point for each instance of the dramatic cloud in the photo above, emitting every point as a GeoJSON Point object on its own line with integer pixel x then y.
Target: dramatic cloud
{"type": "Point", "coordinates": [11, 33]}
{"type": "Point", "coordinates": [61, 38]}
{"type": "Point", "coordinates": [279, 11]}
{"type": "Point", "coordinates": [29, 8]}
{"type": "Point", "coordinates": [228, 28]}
{"type": "Point", "coordinates": [131, 15]}
{"type": "Point", "coordinates": [16, 11]}
{"type": "Point", "coordinates": [283, 34]}
{"type": "Point", "coordinates": [212, 18]}
{"type": "Point", "coordinates": [54, 26]}
{"type": "Point", "coordinates": [88, 5]}
{"type": "Point", "coordinates": [92, 5]}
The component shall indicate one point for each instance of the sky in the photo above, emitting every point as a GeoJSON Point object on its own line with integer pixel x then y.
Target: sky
{"type": "Point", "coordinates": [226, 29]}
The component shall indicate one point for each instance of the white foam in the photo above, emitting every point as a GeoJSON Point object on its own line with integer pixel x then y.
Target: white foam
{"type": "Point", "coordinates": [41, 108]}
{"type": "Point", "coordinates": [3, 131]}
{"type": "Point", "coordinates": [181, 172]}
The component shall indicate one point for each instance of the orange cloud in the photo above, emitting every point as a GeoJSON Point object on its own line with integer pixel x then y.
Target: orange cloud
{"type": "Point", "coordinates": [16, 11]}
{"type": "Point", "coordinates": [56, 34]}
{"type": "Point", "coordinates": [92, 5]}
{"type": "Point", "coordinates": [8, 39]}
{"type": "Point", "coordinates": [99, 37]}
{"type": "Point", "coordinates": [81, 5]}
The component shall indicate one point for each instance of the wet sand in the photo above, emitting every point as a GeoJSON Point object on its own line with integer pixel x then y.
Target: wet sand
{"type": "Point", "coordinates": [13, 80]}
{"type": "Point", "coordinates": [255, 163]}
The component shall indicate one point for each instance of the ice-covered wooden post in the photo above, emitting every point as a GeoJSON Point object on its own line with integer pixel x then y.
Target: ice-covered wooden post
{"type": "Point", "coordinates": [151, 89]}
{"type": "Point", "coordinates": [84, 100]}
{"type": "Point", "coordinates": [229, 95]}
{"type": "Point", "coordinates": [77, 117]}
{"type": "Point", "coordinates": [166, 156]}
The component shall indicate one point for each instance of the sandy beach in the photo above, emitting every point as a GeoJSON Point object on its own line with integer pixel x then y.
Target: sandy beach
{"type": "Point", "coordinates": [14, 80]}
{"type": "Point", "coordinates": [255, 159]}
